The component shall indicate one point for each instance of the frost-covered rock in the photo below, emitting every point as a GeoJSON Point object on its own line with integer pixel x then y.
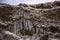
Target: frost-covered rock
{"type": "Point", "coordinates": [30, 22]}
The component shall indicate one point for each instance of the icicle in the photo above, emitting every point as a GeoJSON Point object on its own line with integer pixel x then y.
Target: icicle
{"type": "Point", "coordinates": [30, 25]}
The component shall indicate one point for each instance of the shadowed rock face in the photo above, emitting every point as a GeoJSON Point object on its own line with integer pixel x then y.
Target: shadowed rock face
{"type": "Point", "coordinates": [30, 22]}
{"type": "Point", "coordinates": [57, 3]}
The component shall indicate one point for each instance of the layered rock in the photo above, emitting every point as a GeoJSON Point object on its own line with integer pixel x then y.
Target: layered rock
{"type": "Point", "coordinates": [38, 22]}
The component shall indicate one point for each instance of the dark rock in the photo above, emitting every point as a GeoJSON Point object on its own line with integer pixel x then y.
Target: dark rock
{"type": "Point", "coordinates": [27, 20]}
{"type": "Point", "coordinates": [57, 3]}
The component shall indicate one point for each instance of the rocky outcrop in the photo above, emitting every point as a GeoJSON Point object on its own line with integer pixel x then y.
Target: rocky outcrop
{"type": "Point", "coordinates": [30, 22]}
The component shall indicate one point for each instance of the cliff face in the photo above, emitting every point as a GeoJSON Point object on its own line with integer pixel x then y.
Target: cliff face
{"type": "Point", "coordinates": [30, 22]}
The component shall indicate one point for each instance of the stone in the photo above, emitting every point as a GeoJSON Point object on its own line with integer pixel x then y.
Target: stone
{"type": "Point", "coordinates": [30, 22]}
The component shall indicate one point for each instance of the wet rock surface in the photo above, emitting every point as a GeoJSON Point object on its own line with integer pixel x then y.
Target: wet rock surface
{"type": "Point", "coordinates": [30, 22]}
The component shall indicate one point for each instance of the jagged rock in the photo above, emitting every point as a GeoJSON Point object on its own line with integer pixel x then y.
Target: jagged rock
{"type": "Point", "coordinates": [57, 3]}
{"type": "Point", "coordinates": [6, 35]}
{"type": "Point", "coordinates": [27, 20]}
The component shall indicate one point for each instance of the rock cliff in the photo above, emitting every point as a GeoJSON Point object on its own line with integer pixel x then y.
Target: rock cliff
{"type": "Point", "coordinates": [30, 22]}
